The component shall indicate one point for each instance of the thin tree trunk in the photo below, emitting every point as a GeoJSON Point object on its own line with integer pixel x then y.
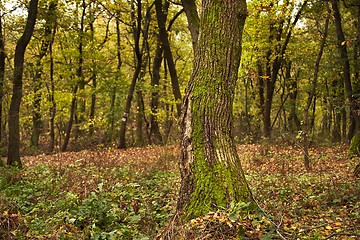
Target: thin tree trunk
{"type": "Point", "coordinates": [210, 167]}
{"type": "Point", "coordinates": [293, 120]}
{"type": "Point", "coordinates": [52, 99]}
{"type": "Point", "coordinates": [81, 102]}
{"type": "Point", "coordinates": [13, 157]}
{"type": "Point", "coordinates": [164, 38]}
{"type": "Point", "coordinates": [274, 65]}
{"type": "Point", "coordinates": [94, 84]}
{"type": "Point", "coordinates": [193, 20]}
{"type": "Point", "coordinates": [155, 134]}
{"type": "Point", "coordinates": [2, 78]}
{"type": "Point", "coordinates": [312, 94]}
{"type": "Point", "coordinates": [47, 38]}
{"type": "Point", "coordinates": [346, 68]}
{"type": "Point", "coordinates": [139, 58]}
{"type": "Point", "coordinates": [118, 74]}
{"type": "Point", "coordinates": [71, 120]}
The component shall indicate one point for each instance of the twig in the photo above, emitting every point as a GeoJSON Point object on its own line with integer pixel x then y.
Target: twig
{"type": "Point", "coordinates": [312, 228]}
{"type": "Point", "coordinates": [342, 234]}
{"type": "Point", "coordinates": [276, 225]}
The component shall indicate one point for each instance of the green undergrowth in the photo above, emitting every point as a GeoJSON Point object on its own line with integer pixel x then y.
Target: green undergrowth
{"type": "Point", "coordinates": [37, 203]}
{"type": "Point", "coordinates": [133, 194]}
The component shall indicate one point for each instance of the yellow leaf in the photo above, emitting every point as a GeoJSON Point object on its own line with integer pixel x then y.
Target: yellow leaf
{"type": "Point", "coordinates": [328, 227]}
{"type": "Point", "coordinates": [343, 43]}
{"type": "Point", "coordinates": [338, 223]}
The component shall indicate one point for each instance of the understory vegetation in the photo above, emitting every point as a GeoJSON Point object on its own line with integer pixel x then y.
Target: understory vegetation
{"type": "Point", "coordinates": [132, 194]}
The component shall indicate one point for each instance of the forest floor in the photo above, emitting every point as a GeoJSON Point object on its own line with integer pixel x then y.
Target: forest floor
{"type": "Point", "coordinates": [131, 194]}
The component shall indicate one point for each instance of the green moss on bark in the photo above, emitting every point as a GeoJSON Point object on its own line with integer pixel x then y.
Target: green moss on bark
{"type": "Point", "coordinates": [354, 149]}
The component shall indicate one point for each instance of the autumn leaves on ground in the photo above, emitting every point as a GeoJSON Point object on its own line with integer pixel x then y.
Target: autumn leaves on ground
{"type": "Point", "coordinates": [132, 194]}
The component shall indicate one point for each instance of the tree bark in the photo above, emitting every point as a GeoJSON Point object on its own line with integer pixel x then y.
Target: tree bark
{"type": "Point", "coordinates": [110, 133]}
{"type": "Point", "coordinates": [312, 95]}
{"type": "Point", "coordinates": [81, 102]}
{"type": "Point", "coordinates": [13, 157]}
{"type": "Point", "coordinates": [193, 20]}
{"type": "Point", "coordinates": [342, 46]}
{"type": "Point", "coordinates": [139, 58]}
{"type": "Point", "coordinates": [52, 97]}
{"type": "Point", "coordinates": [2, 77]}
{"type": "Point", "coordinates": [210, 167]}
{"type": "Point", "coordinates": [71, 120]}
{"type": "Point", "coordinates": [354, 149]}
{"type": "Point", "coordinates": [155, 134]}
{"type": "Point", "coordinates": [164, 38]}
{"type": "Point", "coordinates": [47, 38]}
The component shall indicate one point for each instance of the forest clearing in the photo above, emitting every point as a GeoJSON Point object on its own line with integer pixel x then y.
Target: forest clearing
{"type": "Point", "coordinates": [132, 194]}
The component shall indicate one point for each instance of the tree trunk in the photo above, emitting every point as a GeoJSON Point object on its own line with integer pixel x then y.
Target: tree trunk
{"type": "Point", "coordinates": [293, 119]}
{"type": "Point", "coordinates": [139, 58]}
{"type": "Point", "coordinates": [139, 140]}
{"type": "Point", "coordinates": [80, 102]}
{"type": "Point", "coordinates": [2, 77]}
{"type": "Point", "coordinates": [94, 82]}
{"type": "Point", "coordinates": [346, 69]}
{"type": "Point", "coordinates": [354, 149]}
{"type": "Point", "coordinates": [110, 134]}
{"type": "Point", "coordinates": [312, 95]}
{"type": "Point", "coordinates": [193, 20]}
{"type": "Point", "coordinates": [274, 60]}
{"type": "Point", "coordinates": [47, 38]}
{"type": "Point", "coordinates": [52, 98]}
{"type": "Point", "coordinates": [71, 120]}
{"type": "Point", "coordinates": [210, 167]}
{"type": "Point", "coordinates": [155, 134]}
{"type": "Point", "coordinates": [13, 157]}
{"type": "Point", "coordinates": [164, 38]}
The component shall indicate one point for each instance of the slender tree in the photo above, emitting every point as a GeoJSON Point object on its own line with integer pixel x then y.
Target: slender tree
{"type": "Point", "coordinates": [311, 95]}
{"type": "Point", "coordinates": [37, 82]}
{"type": "Point", "coordinates": [2, 76]}
{"type": "Point", "coordinates": [210, 167]}
{"type": "Point", "coordinates": [13, 157]}
{"type": "Point", "coordinates": [139, 51]}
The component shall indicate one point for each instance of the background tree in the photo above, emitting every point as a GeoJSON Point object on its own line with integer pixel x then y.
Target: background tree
{"type": "Point", "coordinates": [14, 111]}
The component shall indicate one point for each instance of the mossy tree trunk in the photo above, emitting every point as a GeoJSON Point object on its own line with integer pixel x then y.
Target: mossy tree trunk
{"type": "Point", "coordinates": [354, 149]}
{"type": "Point", "coordinates": [211, 172]}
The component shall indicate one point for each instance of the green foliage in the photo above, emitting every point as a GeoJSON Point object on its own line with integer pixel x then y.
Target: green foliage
{"type": "Point", "coordinates": [132, 194]}
{"type": "Point", "coordinates": [137, 206]}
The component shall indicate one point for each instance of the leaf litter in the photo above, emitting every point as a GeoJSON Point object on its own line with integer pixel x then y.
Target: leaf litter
{"type": "Point", "coordinates": [322, 203]}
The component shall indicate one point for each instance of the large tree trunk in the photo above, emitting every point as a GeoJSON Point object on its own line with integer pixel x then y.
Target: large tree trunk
{"type": "Point", "coordinates": [354, 149]}
{"type": "Point", "coordinates": [210, 167]}
{"type": "Point", "coordinates": [14, 111]}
